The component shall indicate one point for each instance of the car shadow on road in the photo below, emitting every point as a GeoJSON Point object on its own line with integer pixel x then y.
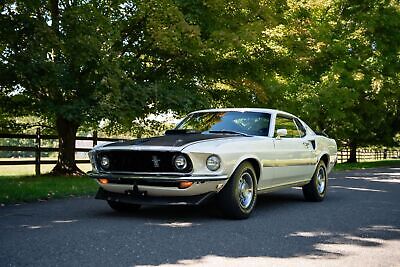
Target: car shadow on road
{"type": "Point", "coordinates": [206, 212]}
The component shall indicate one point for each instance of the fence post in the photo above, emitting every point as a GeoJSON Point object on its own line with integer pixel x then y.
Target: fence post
{"type": "Point", "coordinates": [358, 155]}
{"type": "Point", "coordinates": [37, 152]}
{"type": "Point", "coordinates": [94, 138]}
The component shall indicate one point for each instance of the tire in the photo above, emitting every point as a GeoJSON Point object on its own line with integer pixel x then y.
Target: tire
{"type": "Point", "coordinates": [316, 189]}
{"type": "Point", "coordinates": [123, 207]}
{"type": "Point", "coordinates": [238, 198]}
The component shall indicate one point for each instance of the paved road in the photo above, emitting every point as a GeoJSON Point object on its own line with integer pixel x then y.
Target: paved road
{"type": "Point", "coordinates": [358, 224]}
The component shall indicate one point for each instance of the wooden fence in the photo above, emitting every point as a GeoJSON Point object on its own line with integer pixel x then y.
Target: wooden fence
{"type": "Point", "coordinates": [343, 154]}
{"type": "Point", "coordinates": [364, 154]}
{"type": "Point", "coordinates": [38, 149]}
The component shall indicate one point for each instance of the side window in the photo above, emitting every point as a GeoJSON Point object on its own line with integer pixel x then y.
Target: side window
{"type": "Point", "coordinates": [289, 125]}
{"type": "Point", "coordinates": [300, 127]}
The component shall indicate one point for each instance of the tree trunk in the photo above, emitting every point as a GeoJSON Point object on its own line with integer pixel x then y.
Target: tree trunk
{"type": "Point", "coordinates": [55, 15]}
{"type": "Point", "coordinates": [66, 148]}
{"type": "Point", "coordinates": [353, 152]}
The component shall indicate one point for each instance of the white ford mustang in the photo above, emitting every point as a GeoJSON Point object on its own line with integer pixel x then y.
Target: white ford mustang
{"type": "Point", "coordinates": [232, 154]}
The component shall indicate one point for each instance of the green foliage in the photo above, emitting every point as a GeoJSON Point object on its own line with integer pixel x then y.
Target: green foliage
{"type": "Point", "coordinates": [348, 76]}
{"type": "Point", "coordinates": [85, 61]}
{"type": "Point", "coordinates": [335, 63]}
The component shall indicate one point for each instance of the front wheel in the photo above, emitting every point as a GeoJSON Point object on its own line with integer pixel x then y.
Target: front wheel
{"type": "Point", "coordinates": [237, 199]}
{"type": "Point", "coordinates": [316, 189]}
{"type": "Point", "coordinates": [123, 207]}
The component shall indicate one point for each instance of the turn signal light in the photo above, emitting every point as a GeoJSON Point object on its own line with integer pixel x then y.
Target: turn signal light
{"type": "Point", "coordinates": [185, 184]}
{"type": "Point", "coordinates": [103, 181]}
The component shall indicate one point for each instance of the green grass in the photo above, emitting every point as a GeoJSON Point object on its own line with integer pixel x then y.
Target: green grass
{"type": "Point", "coordinates": [26, 170]}
{"type": "Point", "coordinates": [16, 189]}
{"type": "Point", "coordinates": [367, 165]}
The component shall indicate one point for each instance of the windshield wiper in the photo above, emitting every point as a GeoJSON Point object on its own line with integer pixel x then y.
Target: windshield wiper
{"type": "Point", "coordinates": [181, 131]}
{"type": "Point", "coordinates": [229, 132]}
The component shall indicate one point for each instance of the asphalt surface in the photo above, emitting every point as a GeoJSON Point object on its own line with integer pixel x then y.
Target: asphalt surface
{"type": "Point", "coordinates": [358, 224]}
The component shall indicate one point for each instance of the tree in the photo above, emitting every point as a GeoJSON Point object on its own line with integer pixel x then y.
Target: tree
{"type": "Point", "coordinates": [76, 63]}
{"type": "Point", "coordinates": [57, 63]}
{"type": "Point", "coordinates": [348, 68]}
{"type": "Point", "coordinates": [69, 63]}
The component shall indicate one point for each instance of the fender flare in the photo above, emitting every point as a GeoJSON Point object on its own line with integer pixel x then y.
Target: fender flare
{"type": "Point", "coordinates": [253, 160]}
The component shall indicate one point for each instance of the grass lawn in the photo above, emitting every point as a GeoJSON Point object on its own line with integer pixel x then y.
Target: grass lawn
{"type": "Point", "coordinates": [16, 189]}
{"type": "Point", "coordinates": [367, 165]}
{"type": "Point", "coordinates": [26, 170]}
{"type": "Point", "coordinates": [19, 185]}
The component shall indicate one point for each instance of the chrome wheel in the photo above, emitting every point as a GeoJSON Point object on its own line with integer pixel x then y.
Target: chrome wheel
{"type": "Point", "coordinates": [245, 190]}
{"type": "Point", "coordinates": [238, 197]}
{"type": "Point", "coordinates": [316, 189]}
{"type": "Point", "coordinates": [321, 180]}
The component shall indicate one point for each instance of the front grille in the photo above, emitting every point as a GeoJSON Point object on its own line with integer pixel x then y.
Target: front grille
{"type": "Point", "coordinates": [142, 161]}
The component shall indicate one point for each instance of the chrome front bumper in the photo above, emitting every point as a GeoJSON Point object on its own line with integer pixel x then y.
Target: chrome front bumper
{"type": "Point", "coordinates": [159, 177]}
{"type": "Point", "coordinates": [159, 186]}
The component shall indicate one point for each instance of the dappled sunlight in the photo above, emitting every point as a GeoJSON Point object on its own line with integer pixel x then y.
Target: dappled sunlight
{"type": "Point", "coordinates": [337, 255]}
{"type": "Point", "coordinates": [64, 221]}
{"type": "Point", "coordinates": [358, 189]}
{"type": "Point", "coordinates": [357, 225]}
{"type": "Point", "coordinates": [350, 244]}
{"type": "Point", "coordinates": [363, 240]}
{"type": "Point", "coordinates": [330, 249]}
{"type": "Point", "coordinates": [386, 180]}
{"type": "Point", "coordinates": [34, 227]}
{"type": "Point", "coordinates": [375, 179]}
{"type": "Point", "coordinates": [174, 224]}
{"type": "Point", "coordinates": [310, 234]}
{"type": "Point", "coordinates": [387, 174]}
{"type": "Point", "coordinates": [375, 228]}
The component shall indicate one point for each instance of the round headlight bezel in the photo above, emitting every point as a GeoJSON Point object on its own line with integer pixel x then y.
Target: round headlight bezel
{"type": "Point", "coordinates": [213, 163]}
{"type": "Point", "coordinates": [180, 159]}
{"type": "Point", "coordinates": [105, 162]}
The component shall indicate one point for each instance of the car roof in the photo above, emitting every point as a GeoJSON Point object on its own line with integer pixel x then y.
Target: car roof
{"type": "Point", "coordinates": [261, 110]}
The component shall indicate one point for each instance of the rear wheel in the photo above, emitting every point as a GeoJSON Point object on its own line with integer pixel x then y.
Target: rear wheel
{"type": "Point", "coordinates": [237, 199]}
{"type": "Point", "coordinates": [123, 207]}
{"type": "Point", "coordinates": [316, 189]}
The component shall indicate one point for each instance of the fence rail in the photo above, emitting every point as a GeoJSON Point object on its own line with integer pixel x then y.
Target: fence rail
{"type": "Point", "coordinates": [38, 149]}
{"type": "Point", "coordinates": [364, 154]}
{"type": "Point", "coordinates": [343, 154]}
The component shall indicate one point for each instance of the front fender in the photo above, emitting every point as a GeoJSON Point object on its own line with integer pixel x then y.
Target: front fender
{"type": "Point", "coordinates": [252, 158]}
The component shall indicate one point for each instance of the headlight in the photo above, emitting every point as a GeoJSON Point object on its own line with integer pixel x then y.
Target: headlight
{"type": "Point", "coordinates": [180, 162]}
{"type": "Point", "coordinates": [213, 162]}
{"type": "Point", "coordinates": [105, 162]}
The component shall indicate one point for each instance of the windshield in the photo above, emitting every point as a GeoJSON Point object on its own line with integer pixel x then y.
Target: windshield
{"type": "Point", "coordinates": [248, 123]}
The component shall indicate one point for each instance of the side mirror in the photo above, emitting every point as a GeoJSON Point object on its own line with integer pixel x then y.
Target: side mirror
{"type": "Point", "coordinates": [280, 133]}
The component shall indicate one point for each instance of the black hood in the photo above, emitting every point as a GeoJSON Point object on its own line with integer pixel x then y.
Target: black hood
{"type": "Point", "coordinates": [174, 140]}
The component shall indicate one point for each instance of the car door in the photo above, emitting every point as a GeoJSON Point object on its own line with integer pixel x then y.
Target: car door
{"type": "Point", "coordinates": [294, 153]}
